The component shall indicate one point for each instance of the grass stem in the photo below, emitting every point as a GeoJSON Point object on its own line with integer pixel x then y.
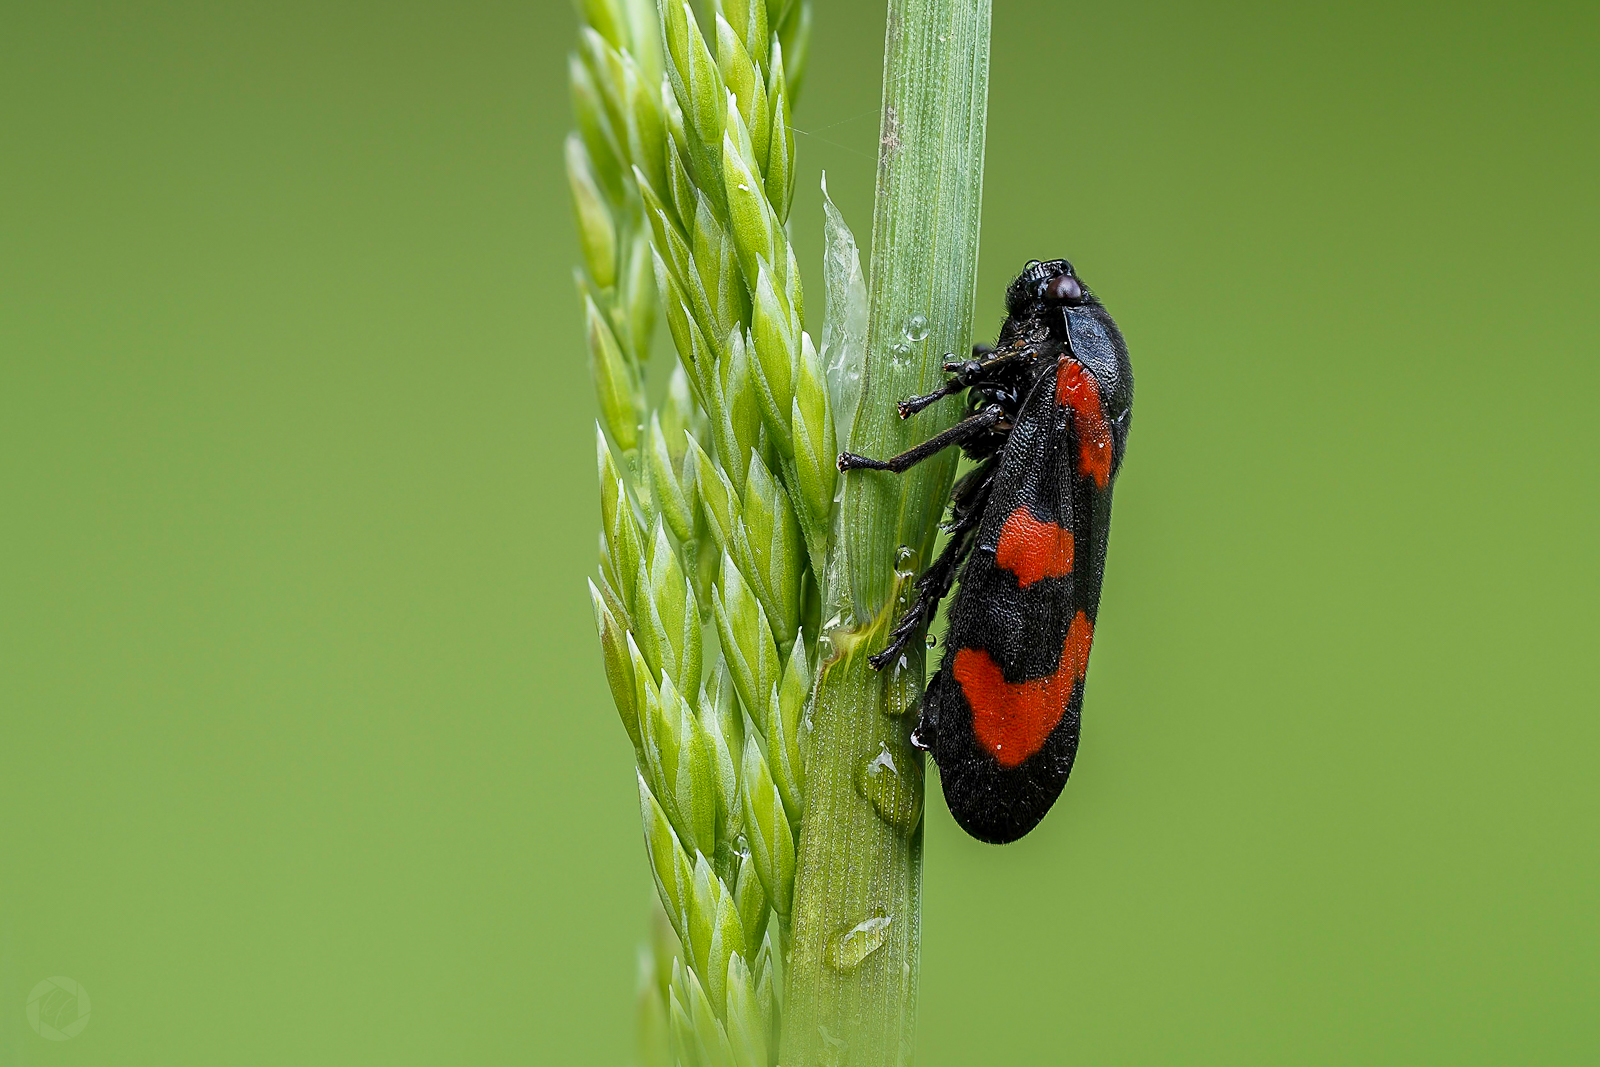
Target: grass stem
{"type": "Point", "coordinates": [856, 919]}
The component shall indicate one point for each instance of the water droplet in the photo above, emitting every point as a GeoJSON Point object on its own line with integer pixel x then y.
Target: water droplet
{"type": "Point", "coordinates": [930, 640]}
{"type": "Point", "coordinates": [904, 687]}
{"type": "Point", "coordinates": [894, 788]}
{"type": "Point", "coordinates": [917, 328]}
{"type": "Point", "coordinates": [903, 554]}
{"type": "Point", "coordinates": [859, 942]}
{"type": "Point", "coordinates": [900, 353]}
{"type": "Point", "coordinates": [833, 1048]}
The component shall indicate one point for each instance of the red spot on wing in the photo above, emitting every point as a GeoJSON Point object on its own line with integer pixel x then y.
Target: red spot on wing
{"type": "Point", "coordinates": [1033, 550]}
{"type": "Point", "coordinates": [1013, 719]}
{"type": "Point", "coordinates": [1077, 389]}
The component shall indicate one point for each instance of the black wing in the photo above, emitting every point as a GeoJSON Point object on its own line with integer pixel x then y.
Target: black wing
{"type": "Point", "coordinates": [1002, 714]}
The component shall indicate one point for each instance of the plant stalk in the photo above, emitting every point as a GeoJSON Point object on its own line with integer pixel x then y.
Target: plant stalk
{"type": "Point", "coordinates": [856, 922]}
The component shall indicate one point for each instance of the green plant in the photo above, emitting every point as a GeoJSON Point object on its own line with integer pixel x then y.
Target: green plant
{"type": "Point", "coordinates": [780, 796]}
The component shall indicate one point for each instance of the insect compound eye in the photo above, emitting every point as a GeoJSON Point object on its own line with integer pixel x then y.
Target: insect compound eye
{"type": "Point", "coordinates": [1063, 289]}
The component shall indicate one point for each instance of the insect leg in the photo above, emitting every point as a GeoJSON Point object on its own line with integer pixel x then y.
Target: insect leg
{"type": "Point", "coordinates": [992, 367]}
{"type": "Point", "coordinates": [934, 584]}
{"type": "Point", "coordinates": [931, 589]}
{"type": "Point", "coordinates": [981, 423]}
{"type": "Point", "coordinates": [913, 404]}
{"type": "Point", "coordinates": [983, 367]}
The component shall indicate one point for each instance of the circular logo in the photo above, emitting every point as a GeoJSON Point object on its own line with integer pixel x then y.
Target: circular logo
{"type": "Point", "coordinates": [58, 1008]}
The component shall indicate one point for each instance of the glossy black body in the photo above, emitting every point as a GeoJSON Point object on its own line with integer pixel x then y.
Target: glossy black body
{"type": "Point", "coordinates": [1027, 445]}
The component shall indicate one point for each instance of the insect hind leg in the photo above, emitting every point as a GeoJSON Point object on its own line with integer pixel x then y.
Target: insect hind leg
{"type": "Point", "coordinates": [969, 498]}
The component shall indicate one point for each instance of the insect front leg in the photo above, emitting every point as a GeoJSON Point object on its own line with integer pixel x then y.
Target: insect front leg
{"type": "Point", "coordinates": [963, 431]}
{"type": "Point", "coordinates": [982, 367]}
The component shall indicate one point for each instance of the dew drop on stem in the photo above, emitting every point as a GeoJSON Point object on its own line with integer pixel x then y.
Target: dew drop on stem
{"type": "Point", "coordinates": [847, 952]}
{"type": "Point", "coordinates": [894, 788]}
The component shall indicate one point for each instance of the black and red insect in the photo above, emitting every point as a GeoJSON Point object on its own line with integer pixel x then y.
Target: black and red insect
{"type": "Point", "coordinates": [1049, 408]}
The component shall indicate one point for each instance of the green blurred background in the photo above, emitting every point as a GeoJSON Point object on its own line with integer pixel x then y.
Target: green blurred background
{"type": "Point", "coordinates": [306, 753]}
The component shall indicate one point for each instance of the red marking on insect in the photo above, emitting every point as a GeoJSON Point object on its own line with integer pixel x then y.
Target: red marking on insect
{"type": "Point", "coordinates": [1033, 550]}
{"type": "Point", "coordinates": [1076, 389]}
{"type": "Point", "coordinates": [1013, 719]}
